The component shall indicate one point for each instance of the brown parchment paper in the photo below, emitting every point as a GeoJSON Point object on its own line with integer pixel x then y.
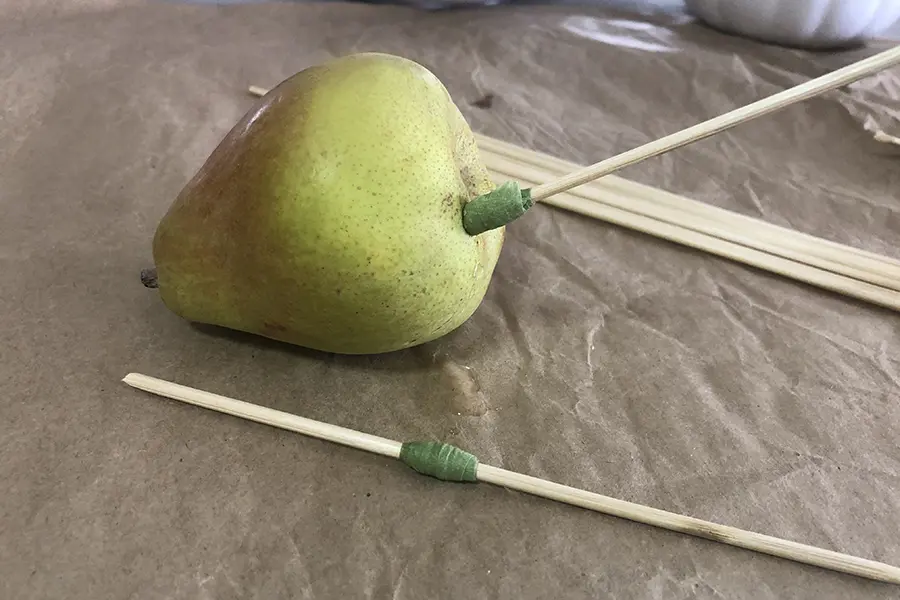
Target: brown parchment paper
{"type": "Point", "coordinates": [601, 358]}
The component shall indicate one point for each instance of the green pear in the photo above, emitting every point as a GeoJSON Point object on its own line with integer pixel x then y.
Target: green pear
{"type": "Point", "coordinates": [330, 216]}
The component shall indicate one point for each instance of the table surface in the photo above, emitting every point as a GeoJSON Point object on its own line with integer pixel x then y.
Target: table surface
{"type": "Point", "coordinates": [601, 358]}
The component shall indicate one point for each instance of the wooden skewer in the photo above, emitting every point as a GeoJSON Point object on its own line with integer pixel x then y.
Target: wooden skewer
{"type": "Point", "coordinates": [802, 553]}
{"type": "Point", "coordinates": [850, 271]}
{"type": "Point", "coordinates": [699, 216]}
{"type": "Point", "coordinates": [578, 201]}
{"type": "Point", "coordinates": [741, 115]}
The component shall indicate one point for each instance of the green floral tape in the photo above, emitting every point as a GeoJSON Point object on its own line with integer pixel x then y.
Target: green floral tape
{"type": "Point", "coordinates": [443, 461]}
{"type": "Point", "coordinates": [495, 209]}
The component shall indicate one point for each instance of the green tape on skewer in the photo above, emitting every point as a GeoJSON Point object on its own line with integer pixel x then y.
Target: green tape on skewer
{"type": "Point", "coordinates": [495, 209]}
{"type": "Point", "coordinates": [443, 461]}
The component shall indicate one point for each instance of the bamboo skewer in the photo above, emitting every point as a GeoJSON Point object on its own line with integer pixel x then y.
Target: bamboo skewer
{"type": "Point", "coordinates": [646, 202]}
{"type": "Point", "coordinates": [749, 540]}
{"type": "Point", "coordinates": [738, 116]}
{"type": "Point", "coordinates": [792, 269]}
{"type": "Point", "coordinates": [614, 201]}
{"type": "Point", "coordinates": [515, 161]}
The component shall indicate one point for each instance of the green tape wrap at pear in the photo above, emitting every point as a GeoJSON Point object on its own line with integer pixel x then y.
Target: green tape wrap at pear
{"type": "Point", "coordinates": [497, 208]}
{"type": "Point", "coordinates": [439, 460]}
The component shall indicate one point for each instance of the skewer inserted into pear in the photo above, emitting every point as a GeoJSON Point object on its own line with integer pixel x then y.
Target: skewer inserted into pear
{"type": "Point", "coordinates": [509, 201]}
{"type": "Point", "coordinates": [363, 223]}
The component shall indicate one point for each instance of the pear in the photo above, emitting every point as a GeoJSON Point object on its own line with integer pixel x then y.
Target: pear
{"type": "Point", "coordinates": [330, 216]}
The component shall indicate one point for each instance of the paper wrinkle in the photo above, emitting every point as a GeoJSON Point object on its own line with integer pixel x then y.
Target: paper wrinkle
{"type": "Point", "coordinates": [884, 360]}
{"type": "Point", "coordinates": [624, 33]}
{"type": "Point", "coordinates": [875, 103]}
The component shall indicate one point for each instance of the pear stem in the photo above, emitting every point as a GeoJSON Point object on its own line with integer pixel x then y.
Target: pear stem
{"type": "Point", "coordinates": [738, 116]}
{"type": "Point", "coordinates": [149, 278]}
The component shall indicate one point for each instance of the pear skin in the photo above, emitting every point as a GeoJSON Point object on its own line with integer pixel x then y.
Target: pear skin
{"type": "Point", "coordinates": [330, 216]}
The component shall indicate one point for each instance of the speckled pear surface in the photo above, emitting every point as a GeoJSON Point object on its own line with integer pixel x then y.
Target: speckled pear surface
{"type": "Point", "coordinates": [330, 216]}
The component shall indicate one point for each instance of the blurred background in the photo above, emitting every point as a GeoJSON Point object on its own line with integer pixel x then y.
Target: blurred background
{"type": "Point", "coordinates": [796, 22]}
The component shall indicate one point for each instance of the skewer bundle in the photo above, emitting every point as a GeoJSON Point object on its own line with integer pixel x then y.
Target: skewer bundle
{"type": "Point", "coordinates": [850, 271]}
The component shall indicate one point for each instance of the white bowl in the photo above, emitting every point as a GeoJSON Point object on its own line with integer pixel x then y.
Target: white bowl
{"type": "Point", "coordinates": [801, 23]}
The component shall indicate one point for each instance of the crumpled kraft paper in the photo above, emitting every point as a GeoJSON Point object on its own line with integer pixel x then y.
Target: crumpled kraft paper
{"type": "Point", "coordinates": [600, 358]}
{"type": "Point", "coordinates": [875, 103]}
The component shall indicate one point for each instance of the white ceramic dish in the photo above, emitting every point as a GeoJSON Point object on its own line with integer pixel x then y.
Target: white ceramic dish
{"type": "Point", "coordinates": [801, 23]}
